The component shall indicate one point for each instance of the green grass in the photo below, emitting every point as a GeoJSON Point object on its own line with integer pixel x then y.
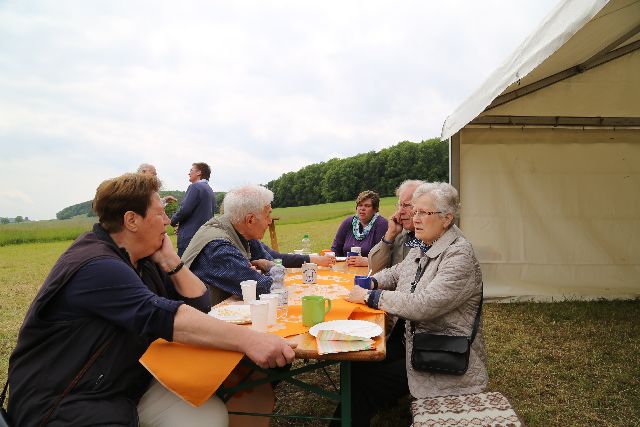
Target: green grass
{"type": "Point", "coordinates": [561, 364]}
{"type": "Point", "coordinates": [44, 231]}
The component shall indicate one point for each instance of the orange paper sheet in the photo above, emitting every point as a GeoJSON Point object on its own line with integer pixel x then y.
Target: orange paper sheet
{"type": "Point", "coordinates": [193, 373]}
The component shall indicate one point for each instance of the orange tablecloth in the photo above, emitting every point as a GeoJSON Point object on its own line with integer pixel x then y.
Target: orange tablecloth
{"type": "Point", "coordinates": [195, 373]}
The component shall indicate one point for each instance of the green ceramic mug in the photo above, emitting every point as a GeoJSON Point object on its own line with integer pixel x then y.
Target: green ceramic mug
{"type": "Point", "coordinates": [314, 308]}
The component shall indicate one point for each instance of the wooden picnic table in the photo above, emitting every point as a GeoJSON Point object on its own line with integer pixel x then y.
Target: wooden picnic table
{"type": "Point", "coordinates": [194, 387]}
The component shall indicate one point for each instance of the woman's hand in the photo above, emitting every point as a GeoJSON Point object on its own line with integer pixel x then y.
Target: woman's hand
{"type": "Point", "coordinates": [357, 261]}
{"type": "Point", "coordinates": [356, 295]}
{"type": "Point", "coordinates": [166, 255]}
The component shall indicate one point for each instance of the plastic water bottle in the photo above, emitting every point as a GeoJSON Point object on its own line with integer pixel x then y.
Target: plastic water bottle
{"type": "Point", "coordinates": [277, 274]}
{"type": "Point", "coordinates": [277, 288]}
{"type": "Point", "coordinates": [306, 245]}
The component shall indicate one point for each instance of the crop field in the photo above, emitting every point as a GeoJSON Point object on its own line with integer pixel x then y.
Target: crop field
{"type": "Point", "coordinates": [567, 363]}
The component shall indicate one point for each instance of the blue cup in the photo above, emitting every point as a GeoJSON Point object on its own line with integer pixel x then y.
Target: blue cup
{"type": "Point", "coordinates": [352, 254]}
{"type": "Point", "coordinates": [362, 281]}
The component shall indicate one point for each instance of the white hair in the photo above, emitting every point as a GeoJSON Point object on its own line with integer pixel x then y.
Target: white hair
{"type": "Point", "coordinates": [444, 195]}
{"type": "Point", "coordinates": [249, 199]}
{"type": "Point", "coordinates": [408, 184]}
{"type": "Point", "coordinates": [143, 167]}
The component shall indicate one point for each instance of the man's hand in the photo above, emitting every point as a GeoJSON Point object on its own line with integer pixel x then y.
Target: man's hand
{"type": "Point", "coordinates": [357, 261]}
{"type": "Point", "coordinates": [269, 351]}
{"type": "Point", "coordinates": [323, 261]}
{"type": "Point", "coordinates": [394, 228]}
{"type": "Point", "coordinates": [356, 295]}
{"type": "Point", "coordinates": [169, 199]}
{"type": "Point", "coordinates": [264, 265]}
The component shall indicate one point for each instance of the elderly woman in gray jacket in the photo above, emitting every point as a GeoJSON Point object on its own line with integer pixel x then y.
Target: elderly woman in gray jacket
{"type": "Point", "coordinates": [445, 302]}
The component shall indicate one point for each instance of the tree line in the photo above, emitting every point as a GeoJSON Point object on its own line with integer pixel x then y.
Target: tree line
{"type": "Point", "coordinates": [18, 219]}
{"type": "Point", "coordinates": [85, 208]}
{"type": "Point", "coordinates": [343, 179]}
{"type": "Point", "coordinates": [338, 180]}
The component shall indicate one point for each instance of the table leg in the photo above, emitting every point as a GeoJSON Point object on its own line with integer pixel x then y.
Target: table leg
{"type": "Point", "coordinates": [345, 393]}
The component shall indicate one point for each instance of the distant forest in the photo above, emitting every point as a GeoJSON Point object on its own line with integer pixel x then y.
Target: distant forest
{"type": "Point", "coordinates": [84, 208]}
{"type": "Point", "coordinates": [339, 180]}
{"type": "Point", "coordinates": [343, 179]}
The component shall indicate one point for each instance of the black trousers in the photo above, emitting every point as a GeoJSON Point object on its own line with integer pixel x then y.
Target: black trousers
{"type": "Point", "coordinates": [378, 384]}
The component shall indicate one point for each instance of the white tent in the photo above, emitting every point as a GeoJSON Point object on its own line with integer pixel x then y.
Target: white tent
{"type": "Point", "coordinates": [546, 156]}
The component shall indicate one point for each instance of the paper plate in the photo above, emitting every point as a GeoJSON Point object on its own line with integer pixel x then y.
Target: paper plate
{"type": "Point", "coordinates": [359, 328]}
{"type": "Point", "coordinates": [341, 258]}
{"type": "Point", "coordinates": [233, 313]}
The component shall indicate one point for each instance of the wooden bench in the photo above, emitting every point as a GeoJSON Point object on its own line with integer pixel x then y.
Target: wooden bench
{"type": "Point", "coordinates": [479, 409]}
{"type": "Point", "coordinates": [272, 234]}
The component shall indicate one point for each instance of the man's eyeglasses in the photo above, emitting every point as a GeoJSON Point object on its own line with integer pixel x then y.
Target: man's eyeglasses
{"type": "Point", "coordinates": [404, 205]}
{"type": "Point", "coordinates": [420, 213]}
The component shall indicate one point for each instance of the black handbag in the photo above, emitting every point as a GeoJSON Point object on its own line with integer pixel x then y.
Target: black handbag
{"type": "Point", "coordinates": [441, 354]}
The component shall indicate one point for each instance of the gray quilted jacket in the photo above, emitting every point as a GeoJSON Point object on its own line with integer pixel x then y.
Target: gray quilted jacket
{"type": "Point", "coordinates": [444, 302]}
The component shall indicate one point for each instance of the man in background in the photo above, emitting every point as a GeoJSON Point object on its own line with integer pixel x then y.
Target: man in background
{"type": "Point", "coordinates": [149, 169]}
{"type": "Point", "coordinates": [197, 207]}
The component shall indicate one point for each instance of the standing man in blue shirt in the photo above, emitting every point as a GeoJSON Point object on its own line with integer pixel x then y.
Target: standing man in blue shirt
{"type": "Point", "coordinates": [197, 207]}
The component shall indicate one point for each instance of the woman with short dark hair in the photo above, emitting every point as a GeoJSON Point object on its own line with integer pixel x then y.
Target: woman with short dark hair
{"type": "Point", "coordinates": [364, 229]}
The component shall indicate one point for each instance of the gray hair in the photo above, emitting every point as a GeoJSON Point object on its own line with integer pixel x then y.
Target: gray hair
{"type": "Point", "coordinates": [407, 184]}
{"type": "Point", "coordinates": [143, 167]}
{"type": "Point", "coordinates": [445, 197]}
{"type": "Point", "coordinates": [249, 199]}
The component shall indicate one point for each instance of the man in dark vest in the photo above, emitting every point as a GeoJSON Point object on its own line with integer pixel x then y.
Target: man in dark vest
{"type": "Point", "coordinates": [112, 293]}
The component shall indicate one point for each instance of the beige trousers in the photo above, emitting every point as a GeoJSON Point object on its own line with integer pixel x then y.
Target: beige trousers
{"type": "Point", "coordinates": [160, 407]}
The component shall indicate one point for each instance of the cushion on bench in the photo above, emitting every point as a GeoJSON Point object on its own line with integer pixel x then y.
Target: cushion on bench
{"type": "Point", "coordinates": [473, 410]}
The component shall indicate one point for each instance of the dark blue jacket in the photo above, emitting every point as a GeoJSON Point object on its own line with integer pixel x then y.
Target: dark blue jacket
{"type": "Point", "coordinates": [197, 207]}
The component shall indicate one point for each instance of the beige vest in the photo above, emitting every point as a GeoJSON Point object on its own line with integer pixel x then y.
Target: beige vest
{"type": "Point", "coordinates": [218, 228]}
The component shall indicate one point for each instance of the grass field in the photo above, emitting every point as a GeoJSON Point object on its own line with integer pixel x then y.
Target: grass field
{"type": "Point", "coordinates": [561, 364]}
{"type": "Point", "coordinates": [44, 231]}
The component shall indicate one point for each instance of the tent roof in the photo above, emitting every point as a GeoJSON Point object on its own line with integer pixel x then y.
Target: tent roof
{"type": "Point", "coordinates": [577, 35]}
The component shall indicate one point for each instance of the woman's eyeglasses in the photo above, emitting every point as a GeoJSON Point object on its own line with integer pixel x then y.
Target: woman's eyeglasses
{"type": "Point", "coordinates": [420, 213]}
{"type": "Point", "coordinates": [404, 205]}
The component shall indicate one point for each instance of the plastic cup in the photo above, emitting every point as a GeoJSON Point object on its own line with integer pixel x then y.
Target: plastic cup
{"type": "Point", "coordinates": [248, 290]}
{"type": "Point", "coordinates": [259, 315]}
{"type": "Point", "coordinates": [273, 301]}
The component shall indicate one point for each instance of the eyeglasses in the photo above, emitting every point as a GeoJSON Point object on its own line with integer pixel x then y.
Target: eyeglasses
{"type": "Point", "coordinates": [420, 213]}
{"type": "Point", "coordinates": [404, 205]}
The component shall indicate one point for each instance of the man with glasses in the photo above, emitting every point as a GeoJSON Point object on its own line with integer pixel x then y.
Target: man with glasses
{"type": "Point", "coordinates": [197, 207]}
{"type": "Point", "coordinates": [399, 238]}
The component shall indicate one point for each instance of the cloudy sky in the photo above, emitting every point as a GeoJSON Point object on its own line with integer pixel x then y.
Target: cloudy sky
{"type": "Point", "coordinates": [89, 90]}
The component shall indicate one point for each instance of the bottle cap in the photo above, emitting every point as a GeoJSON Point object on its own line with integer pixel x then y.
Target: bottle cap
{"type": "Point", "coordinates": [306, 236]}
{"type": "Point", "coordinates": [277, 261]}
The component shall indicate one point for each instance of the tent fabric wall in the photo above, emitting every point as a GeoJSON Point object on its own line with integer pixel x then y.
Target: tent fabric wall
{"type": "Point", "coordinates": [553, 213]}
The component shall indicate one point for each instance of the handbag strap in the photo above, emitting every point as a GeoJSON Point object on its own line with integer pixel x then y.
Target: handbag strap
{"type": "Point", "coordinates": [4, 390]}
{"type": "Point", "coordinates": [476, 321]}
{"type": "Point", "coordinates": [77, 378]}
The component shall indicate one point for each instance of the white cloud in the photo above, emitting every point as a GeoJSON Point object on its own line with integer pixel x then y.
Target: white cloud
{"type": "Point", "coordinates": [89, 90]}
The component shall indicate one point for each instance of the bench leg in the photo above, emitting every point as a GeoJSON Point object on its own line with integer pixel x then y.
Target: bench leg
{"type": "Point", "coordinates": [345, 393]}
